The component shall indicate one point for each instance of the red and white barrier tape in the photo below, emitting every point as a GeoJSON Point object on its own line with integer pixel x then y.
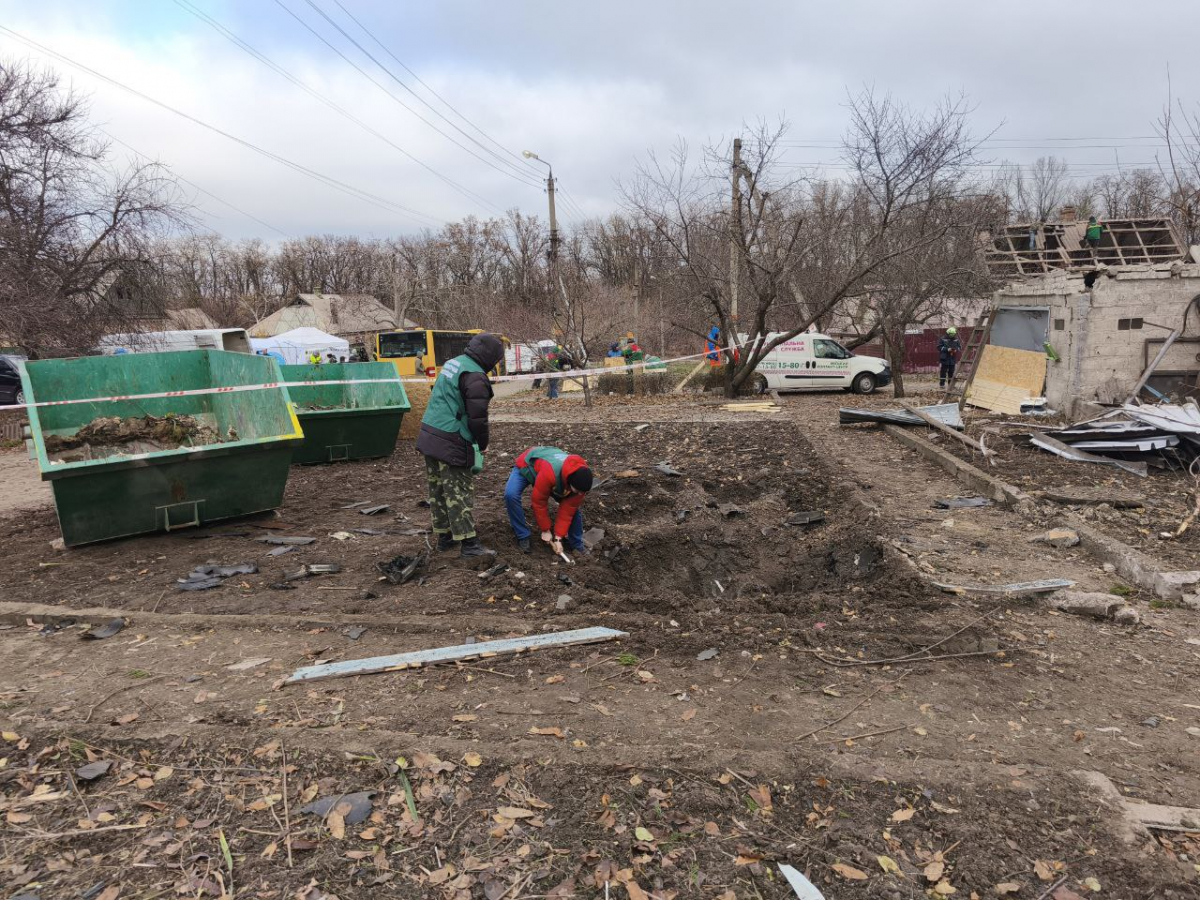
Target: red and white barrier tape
{"type": "Point", "coordinates": [237, 388]}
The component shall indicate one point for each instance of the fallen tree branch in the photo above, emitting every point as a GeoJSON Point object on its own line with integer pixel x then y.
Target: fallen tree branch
{"type": "Point", "coordinates": [859, 737]}
{"type": "Point", "coordinates": [946, 429]}
{"type": "Point", "coordinates": [852, 709]}
{"type": "Point", "coordinates": [914, 656]}
{"type": "Point", "coordinates": [120, 690]}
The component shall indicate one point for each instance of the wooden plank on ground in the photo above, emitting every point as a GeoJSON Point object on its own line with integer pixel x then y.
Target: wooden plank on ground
{"type": "Point", "coordinates": [459, 653]}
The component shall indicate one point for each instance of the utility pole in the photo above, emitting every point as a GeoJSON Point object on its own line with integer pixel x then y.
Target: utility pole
{"type": "Point", "coordinates": [735, 233]}
{"type": "Point", "coordinates": [554, 238]}
{"type": "Point", "coordinates": [637, 297]}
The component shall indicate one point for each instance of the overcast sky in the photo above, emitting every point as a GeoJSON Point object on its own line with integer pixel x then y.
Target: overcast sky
{"type": "Point", "coordinates": [588, 86]}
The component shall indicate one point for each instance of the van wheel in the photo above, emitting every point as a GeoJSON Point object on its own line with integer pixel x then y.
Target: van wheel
{"type": "Point", "coordinates": [864, 383]}
{"type": "Point", "coordinates": [759, 384]}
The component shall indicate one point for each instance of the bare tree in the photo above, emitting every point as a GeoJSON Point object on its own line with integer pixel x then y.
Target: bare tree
{"type": "Point", "coordinates": [71, 225]}
{"type": "Point", "coordinates": [1047, 187]}
{"type": "Point", "coordinates": [1180, 170]}
{"type": "Point", "coordinates": [813, 242]}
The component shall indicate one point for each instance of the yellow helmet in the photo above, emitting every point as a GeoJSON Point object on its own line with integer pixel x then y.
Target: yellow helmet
{"type": "Point", "coordinates": [952, 331]}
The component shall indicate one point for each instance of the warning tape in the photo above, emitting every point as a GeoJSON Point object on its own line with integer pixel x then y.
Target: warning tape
{"type": "Point", "coordinates": [270, 385]}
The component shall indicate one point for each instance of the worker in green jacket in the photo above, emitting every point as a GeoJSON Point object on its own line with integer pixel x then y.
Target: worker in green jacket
{"type": "Point", "coordinates": [1094, 230]}
{"type": "Point", "coordinates": [454, 427]}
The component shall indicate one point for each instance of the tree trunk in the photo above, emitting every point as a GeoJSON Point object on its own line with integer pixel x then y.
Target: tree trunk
{"type": "Point", "coordinates": [894, 349]}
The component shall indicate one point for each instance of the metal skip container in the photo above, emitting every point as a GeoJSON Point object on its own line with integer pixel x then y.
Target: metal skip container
{"type": "Point", "coordinates": [345, 420]}
{"type": "Point", "coordinates": [122, 464]}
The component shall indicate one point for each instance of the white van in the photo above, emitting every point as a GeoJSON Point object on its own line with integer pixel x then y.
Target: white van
{"type": "Point", "coordinates": [527, 357]}
{"type": "Point", "coordinates": [818, 361]}
{"type": "Point", "coordinates": [232, 339]}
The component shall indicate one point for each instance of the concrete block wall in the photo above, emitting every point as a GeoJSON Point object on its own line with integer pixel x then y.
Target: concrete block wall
{"type": "Point", "coordinates": [1099, 361]}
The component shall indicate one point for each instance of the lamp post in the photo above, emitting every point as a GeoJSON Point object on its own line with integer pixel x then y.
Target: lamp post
{"type": "Point", "coordinates": [553, 254]}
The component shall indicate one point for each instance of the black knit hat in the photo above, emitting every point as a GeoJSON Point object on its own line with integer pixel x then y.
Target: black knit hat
{"type": "Point", "coordinates": [581, 480]}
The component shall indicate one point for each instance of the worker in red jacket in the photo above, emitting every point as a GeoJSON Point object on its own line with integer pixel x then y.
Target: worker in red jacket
{"type": "Point", "coordinates": [552, 473]}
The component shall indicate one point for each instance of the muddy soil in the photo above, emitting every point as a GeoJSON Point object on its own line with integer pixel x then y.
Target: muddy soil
{"type": "Point", "coordinates": [180, 817]}
{"type": "Point", "coordinates": [113, 436]}
{"type": "Point", "coordinates": [772, 684]}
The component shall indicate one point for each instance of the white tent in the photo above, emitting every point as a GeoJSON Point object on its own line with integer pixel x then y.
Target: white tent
{"type": "Point", "coordinates": [296, 345]}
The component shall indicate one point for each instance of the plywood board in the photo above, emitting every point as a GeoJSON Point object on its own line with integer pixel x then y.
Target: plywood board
{"type": "Point", "coordinates": [1006, 377]}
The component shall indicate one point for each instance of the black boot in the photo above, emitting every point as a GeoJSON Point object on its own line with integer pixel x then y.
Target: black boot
{"type": "Point", "coordinates": [473, 549]}
{"type": "Point", "coordinates": [446, 542]}
{"type": "Point", "coordinates": [523, 543]}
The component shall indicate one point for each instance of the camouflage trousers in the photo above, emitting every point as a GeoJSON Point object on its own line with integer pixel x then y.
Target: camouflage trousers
{"type": "Point", "coordinates": [451, 498]}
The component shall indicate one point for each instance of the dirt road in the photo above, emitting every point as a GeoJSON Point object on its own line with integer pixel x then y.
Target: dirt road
{"type": "Point", "coordinates": [20, 485]}
{"type": "Point", "coordinates": [772, 702]}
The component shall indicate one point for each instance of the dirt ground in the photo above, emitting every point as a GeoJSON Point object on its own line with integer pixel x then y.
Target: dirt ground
{"type": "Point", "coordinates": [772, 702]}
{"type": "Point", "coordinates": [20, 485]}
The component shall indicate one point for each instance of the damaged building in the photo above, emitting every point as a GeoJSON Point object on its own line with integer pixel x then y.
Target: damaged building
{"type": "Point", "coordinates": [1087, 322]}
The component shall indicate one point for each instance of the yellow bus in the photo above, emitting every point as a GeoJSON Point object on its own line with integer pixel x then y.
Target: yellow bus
{"type": "Point", "coordinates": [422, 351]}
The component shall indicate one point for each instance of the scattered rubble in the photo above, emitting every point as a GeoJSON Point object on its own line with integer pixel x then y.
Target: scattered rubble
{"type": "Point", "coordinates": [1060, 538]}
{"type": "Point", "coordinates": [1095, 605]}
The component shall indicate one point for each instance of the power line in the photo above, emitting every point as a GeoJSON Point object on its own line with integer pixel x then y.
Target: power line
{"type": "Point", "coordinates": [400, 102]}
{"type": "Point", "coordinates": [179, 177]}
{"type": "Point", "coordinates": [361, 49]}
{"type": "Point", "coordinates": [280, 70]}
{"type": "Point", "coordinates": [357, 193]}
{"type": "Point", "coordinates": [570, 201]}
{"type": "Point", "coordinates": [420, 81]}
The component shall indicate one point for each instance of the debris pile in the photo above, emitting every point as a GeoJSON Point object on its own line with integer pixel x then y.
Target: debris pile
{"type": "Point", "coordinates": [112, 436]}
{"type": "Point", "coordinates": [1165, 435]}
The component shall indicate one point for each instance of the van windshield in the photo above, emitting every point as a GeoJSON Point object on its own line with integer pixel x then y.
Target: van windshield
{"type": "Point", "coordinates": [825, 349]}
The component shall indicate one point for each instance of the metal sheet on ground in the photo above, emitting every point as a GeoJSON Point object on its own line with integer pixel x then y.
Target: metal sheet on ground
{"type": "Point", "coordinates": [1061, 449]}
{"type": "Point", "coordinates": [946, 413]}
{"type": "Point", "coordinates": [418, 658]}
{"type": "Point", "coordinates": [1043, 586]}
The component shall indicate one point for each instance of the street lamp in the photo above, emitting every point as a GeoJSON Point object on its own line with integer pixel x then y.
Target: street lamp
{"type": "Point", "coordinates": [553, 253]}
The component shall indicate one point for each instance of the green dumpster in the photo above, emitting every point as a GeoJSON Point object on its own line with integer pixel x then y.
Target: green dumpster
{"type": "Point", "coordinates": [345, 420]}
{"type": "Point", "coordinates": [125, 464]}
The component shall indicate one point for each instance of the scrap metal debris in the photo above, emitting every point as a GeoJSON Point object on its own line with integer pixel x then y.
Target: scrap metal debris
{"type": "Point", "coordinates": [93, 770]}
{"type": "Point", "coordinates": [801, 886]}
{"type": "Point", "coordinates": [400, 569]}
{"type": "Point", "coordinates": [961, 502]}
{"type": "Point", "coordinates": [354, 632]}
{"type": "Point", "coordinates": [374, 510]}
{"type": "Point", "coordinates": [1043, 586]}
{"type": "Point", "coordinates": [808, 517]}
{"type": "Point", "coordinates": [287, 541]}
{"type": "Point", "coordinates": [359, 806]}
{"type": "Point", "coordinates": [665, 468]}
{"type": "Point", "coordinates": [461, 652]}
{"type": "Point", "coordinates": [946, 413]}
{"type": "Point", "coordinates": [1163, 434]}
{"type": "Point", "coordinates": [205, 577]}
{"type": "Point", "coordinates": [495, 570]}
{"type": "Point", "coordinates": [103, 631]}
{"type": "Point", "coordinates": [309, 570]}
